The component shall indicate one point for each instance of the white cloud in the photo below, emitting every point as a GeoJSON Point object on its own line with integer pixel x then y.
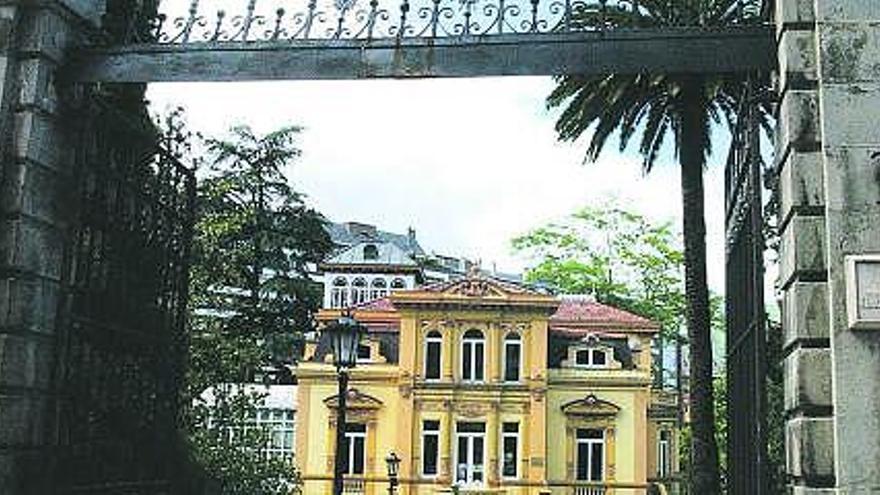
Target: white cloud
{"type": "Point", "coordinates": [469, 163]}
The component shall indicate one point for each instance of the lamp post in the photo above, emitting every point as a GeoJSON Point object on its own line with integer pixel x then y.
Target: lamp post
{"type": "Point", "coordinates": [345, 335]}
{"type": "Point", "coordinates": [393, 463]}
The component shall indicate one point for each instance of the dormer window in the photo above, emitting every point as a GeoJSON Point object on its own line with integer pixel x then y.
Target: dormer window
{"type": "Point", "coordinates": [371, 252]}
{"type": "Point", "coordinates": [591, 358]}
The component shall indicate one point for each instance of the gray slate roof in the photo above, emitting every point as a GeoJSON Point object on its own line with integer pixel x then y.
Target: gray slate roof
{"type": "Point", "coordinates": [388, 254]}
{"type": "Point", "coordinates": [351, 233]}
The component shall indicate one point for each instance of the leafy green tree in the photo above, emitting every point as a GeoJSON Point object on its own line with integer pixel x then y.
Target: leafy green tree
{"type": "Point", "coordinates": [656, 106]}
{"type": "Point", "coordinates": [620, 257]}
{"type": "Point", "coordinates": [616, 254]}
{"type": "Point", "coordinates": [251, 300]}
{"type": "Point", "coordinates": [775, 408]}
{"type": "Point", "coordinates": [255, 242]}
{"type": "Point", "coordinates": [229, 447]}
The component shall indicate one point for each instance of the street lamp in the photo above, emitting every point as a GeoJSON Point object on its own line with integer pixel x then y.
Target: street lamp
{"type": "Point", "coordinates": [345, 335]}
{"type": "Point", "coordinates": [393, 463]}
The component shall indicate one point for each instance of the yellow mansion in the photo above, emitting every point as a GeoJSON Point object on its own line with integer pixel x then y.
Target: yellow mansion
{"type": "Point", "coordinates": [494, 388]}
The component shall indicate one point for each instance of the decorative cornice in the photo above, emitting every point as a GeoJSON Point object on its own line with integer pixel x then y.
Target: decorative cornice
{"type": "Point", "coordinates": [368, 268]}
{"type": "Point", "coordinates": [476, 292]}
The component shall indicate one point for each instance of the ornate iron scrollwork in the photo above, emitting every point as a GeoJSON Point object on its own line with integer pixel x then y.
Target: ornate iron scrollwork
{"type": "Point", "coordinates": [122, 338]}
{"type": "Point", "coordinates": [203, 21]}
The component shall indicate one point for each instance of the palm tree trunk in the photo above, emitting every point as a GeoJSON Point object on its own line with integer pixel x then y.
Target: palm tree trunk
{"type": "Point", "coordinates": [694, 126]}
{"type": "Point", "coordinates": [679, 379]}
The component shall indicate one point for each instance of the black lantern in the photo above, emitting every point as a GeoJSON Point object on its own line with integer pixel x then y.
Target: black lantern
{"type": "Point", "coordinates": [393, 463]}
{"type": "Point", "coordinates": [345, 336]}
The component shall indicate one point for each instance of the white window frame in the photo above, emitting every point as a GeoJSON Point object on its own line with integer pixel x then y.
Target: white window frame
{"type": "Point", "coordinates": [513, 343]}
{"type": "Point", "coordinates": [425, 435]}
{"type": "Point", "coordinates": [350, 437]}
{"type": "Point", "coordinates": [473, 342]}
{"type": "Point", "coordinates": [430, 340]}
{"type": "Point", "coordinates": [378, 288]}
{"type": "Point", "coordinates": [663, 453]}
{"type": "Point", "coordinates": [591, 352]}
{"type": "Point", "coordinates": [516, 437]}
{"type": "Point", "coordinates": [470, 468]}
{"type": "Point", "coordinates": [359, 293]}
{"type": "Point", "coordinates": [277, 424]}
{"type": "Point", "coordinates": [398, 284]}
{"type": "Point", "coordinates": [590, 442]}
{"type": "Point", "coordinates": [339, 293]}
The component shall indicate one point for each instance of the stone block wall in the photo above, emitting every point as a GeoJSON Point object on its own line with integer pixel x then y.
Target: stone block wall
{"type": "Point", "coordinates": [34, 176]}
{"type": "Point", "coordinates": [828, 153]}
{"type": "Point", "coordinates": [803, 268]}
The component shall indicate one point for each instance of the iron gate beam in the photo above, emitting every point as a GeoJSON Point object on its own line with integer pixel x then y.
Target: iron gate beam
{"type": "Point", "coordinates": [685, 50]}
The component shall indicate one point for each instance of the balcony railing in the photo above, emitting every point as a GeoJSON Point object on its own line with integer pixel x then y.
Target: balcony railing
{"type": "Point", "coordinates": [357, 485]}
{"type": "Point", "coordinates": [589, 490]}
{"type": "Point", "coordinates": [354, 486]}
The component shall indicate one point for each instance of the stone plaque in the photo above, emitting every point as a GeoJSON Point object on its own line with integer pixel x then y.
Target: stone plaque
{"type": "Point", "coordinates": [863, 291]}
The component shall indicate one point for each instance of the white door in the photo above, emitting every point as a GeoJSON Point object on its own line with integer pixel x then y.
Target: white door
{"type": "Point", "coordinates": [470, 454]}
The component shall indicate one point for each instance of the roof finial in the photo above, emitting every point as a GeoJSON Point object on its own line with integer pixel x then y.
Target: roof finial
{"type": "Point", "coordinates": [475, 271]}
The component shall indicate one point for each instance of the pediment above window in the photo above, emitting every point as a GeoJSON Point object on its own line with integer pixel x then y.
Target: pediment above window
{"type": "Point", "coordinates": [354, 399]}
{"type": "Point", "coordinates": [476, 291]}
{"type": "Point", "coordinates": [590, 406]}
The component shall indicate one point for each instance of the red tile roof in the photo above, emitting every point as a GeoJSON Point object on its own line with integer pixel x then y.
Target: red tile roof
{"type": "Point", "coordinates": [587, 310]}
{"type": "Point", "coordinates": [383, 304]}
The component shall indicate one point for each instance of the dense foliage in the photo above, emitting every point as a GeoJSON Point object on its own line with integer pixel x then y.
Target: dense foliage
{"type": "Point", "coordinates": [251, 301]}
{"type": "Point", "coordinates": [618, 256]}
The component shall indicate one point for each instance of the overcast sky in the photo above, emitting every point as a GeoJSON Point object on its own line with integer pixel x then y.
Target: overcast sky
{"type": "Point", "coordinates": [468, 163]}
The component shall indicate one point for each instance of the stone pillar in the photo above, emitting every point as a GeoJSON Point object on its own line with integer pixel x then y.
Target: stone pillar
{"type": "Point", "coordinates": [829, 51]}
{"type": "Point", "coordinates": [34, 168]}
{"type": "Point", "coordinates": [848, 47]}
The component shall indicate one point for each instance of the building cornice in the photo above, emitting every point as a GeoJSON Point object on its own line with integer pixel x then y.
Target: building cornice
{"type": "Point", "coordinates": [367, 268]}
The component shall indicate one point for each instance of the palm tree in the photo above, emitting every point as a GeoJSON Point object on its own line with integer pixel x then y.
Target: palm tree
{"type": "Point", "coordinates": [655, 106]}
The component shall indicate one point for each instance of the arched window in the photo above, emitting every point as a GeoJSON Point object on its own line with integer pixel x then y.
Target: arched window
{"type": "Point", "coordinates": [378, 289]}
{"type": "Point", "coordinates": [398, 283]}
{"type": "Point", "coordinates": [473, 350]}
{"type": "Point", "coordinates": [433, 350]}
{"type": "Point", "coordinates": [371, 252]}
{"type": "Point", "coordinates": [358, 291]}
{"type": "Point", "coordinates": [512, 357]}
{"type": "Point", "coordinates": [339, 293]}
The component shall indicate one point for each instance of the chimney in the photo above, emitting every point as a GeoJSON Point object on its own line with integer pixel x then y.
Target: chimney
{"type": "Point", "coordinates": [363, 230]}
{"type": "Point", "coordinates": [411, 236]}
